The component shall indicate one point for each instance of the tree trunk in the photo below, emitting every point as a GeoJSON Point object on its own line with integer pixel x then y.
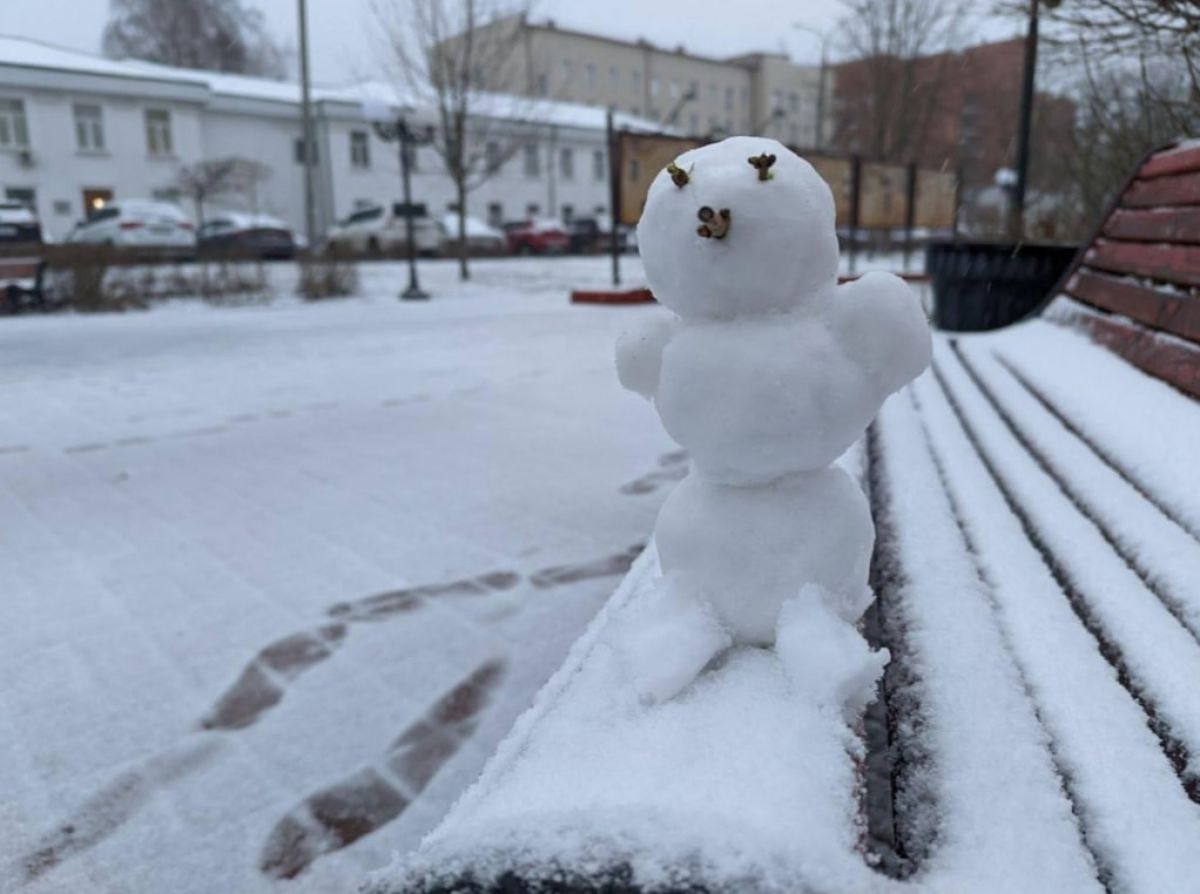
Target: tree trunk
{"type": "Point", "coordinates": [464, 272]}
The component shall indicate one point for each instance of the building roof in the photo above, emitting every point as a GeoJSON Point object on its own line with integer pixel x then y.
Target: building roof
{"type": "Point", "coordinates": [26, 53]}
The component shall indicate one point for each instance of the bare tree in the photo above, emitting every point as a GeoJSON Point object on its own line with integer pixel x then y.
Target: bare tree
{"type": "Point", "coordinates": [892, 88]}
{"type": "Point", "coordinates": [461, 57]}
{"type": "Point", "coordinates": [215, 35]}
{"type": "Point", "coordinates": [205, 180]}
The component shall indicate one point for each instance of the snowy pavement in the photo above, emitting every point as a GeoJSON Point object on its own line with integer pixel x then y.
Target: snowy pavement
{"type": "Point", "coordinates": [274, 577]}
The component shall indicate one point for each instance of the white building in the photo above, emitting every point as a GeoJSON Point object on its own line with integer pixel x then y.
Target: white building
{"type": "Point", "coordinates": [77, 130]}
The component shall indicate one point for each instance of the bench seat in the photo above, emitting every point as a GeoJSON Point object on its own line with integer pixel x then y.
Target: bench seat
{"type": "Point", "coordinates": [1038, 581]}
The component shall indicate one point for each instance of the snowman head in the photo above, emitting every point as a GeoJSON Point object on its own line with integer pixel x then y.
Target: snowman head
{"type": "Point", "coordinates": [743, 226]}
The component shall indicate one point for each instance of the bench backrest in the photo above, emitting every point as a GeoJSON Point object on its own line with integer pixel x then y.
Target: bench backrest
{"type": "Point", "coordinates": [1141, 271]}
{"type": "Point", "coordinates": [19, 268]}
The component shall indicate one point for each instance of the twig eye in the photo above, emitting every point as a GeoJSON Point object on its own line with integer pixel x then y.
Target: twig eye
{"type": "Point", "coordinates": [679, 176]}
{"type": "Point", "coordinates": [762, 163]}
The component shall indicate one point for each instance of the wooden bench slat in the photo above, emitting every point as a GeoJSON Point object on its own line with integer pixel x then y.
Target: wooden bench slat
{"type": "Point", "coordinates": [1172, 161]}
{"type": "Point", "coordinates": [1172, 313]}
{"type": "Point", "coordinates": [1157, 225]}
{"type": "Point", "coordinates": [1064, 365]}
{"type": "Point", "coordinates": [1163, 192]}
{"type": "Point", "coordinates": [1159, 657]}
{"type": "Point", "coordinates": [1163, 552]}
{"type": "Point", "coordinates": [1179, 264]}
{"type": "Point", "coordinates": [1175, 362]}
{"type": "Point", "coordinates": [1003, 821]}
{"type": "Point", "coordinates": [1137, 818]}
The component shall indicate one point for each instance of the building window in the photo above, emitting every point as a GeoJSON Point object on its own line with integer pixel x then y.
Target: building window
{"type": "Point", "coordinates": [533, 209]}
{"type": "Point", "coordinates": [360, 149]}
{"type": "Point", "coordinates": [533, 161]}
{"type": "Point", "coordinates": [712, 93]}
{"type": "Point", "coordinates": [568, 71]}
{"type": "Point", "coordinates": [729, 99]}
{"type": "Point", "coordinates": [636, 79]}
{"type": "Point", "coordinates": [14, 131]}
{"type": "Point", "coordinates": [614, 77]}
{"type": "Point", "coordinates": [694, 89]}
{"type": "Point", "coordinates": [165, 194]}
{"type": "Point", "coordinates": [89, 128]}
{"type": "Point", "coordinates": [491, 157]}
{"type": "Point", "coordinates": [568, 213]}
{"type": "Point", "coordinates": [591, 76]}
{"type": "Point", "coordinates": [158, 132]}
{"type": "Point", "coordinates": [745, 97]}
{"type": "Point", "coordinates": [567, 163]}
{"type": "Point", "coordinates": [776, 101]}
{"type": "Point", "coordinates": [62, 207]}
{"type": "Point", "coordinates": [655, 85]}
{"type": "Point", "coordinates": [635, 170]}
{"type": "Point", "coordinates": [542, 86]}
{"type": "Point", "coordinates": [27, 196]}
{"type": "Point", "coordinates": [495, 214]}
{"type": "Point", "coordinates": [674, 88]}
{"type": "Point", "coordinates": [298, 151]}
{"type": "Point", "coordinates": [793, 101]}
{"type": "Point", "coordinates": [598, 165]}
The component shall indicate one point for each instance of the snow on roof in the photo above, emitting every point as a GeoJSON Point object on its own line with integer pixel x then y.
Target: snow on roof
{"type": "Point", "coordinates": [21, 51]}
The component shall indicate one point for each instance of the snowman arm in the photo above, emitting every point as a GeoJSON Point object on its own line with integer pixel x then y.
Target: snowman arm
{"type": "Point", "coordinates": [880, 320]}
{"type": "Point", "coordinates": [640, 350]}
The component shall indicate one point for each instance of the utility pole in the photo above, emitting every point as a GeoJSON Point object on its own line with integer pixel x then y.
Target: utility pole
{"type": "Point", "coordinates": [1016, 220]}
{"type": "Point", "coordinates": [310, 219]}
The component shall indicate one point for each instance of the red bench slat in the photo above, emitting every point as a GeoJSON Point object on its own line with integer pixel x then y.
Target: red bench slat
{"type": "Point", "coordinates": [1170, 191]}
{"type": "Point", "coordinates": [1160, 225]}
{"type": "Point", "coordinates": [1178, 264]}
{"type": "Point", "coordinates": [1173, 161]}
{"type": "Point", "coordinates": [1171, 313]}
{"type": "Point", "coordinates": [1175, 362]}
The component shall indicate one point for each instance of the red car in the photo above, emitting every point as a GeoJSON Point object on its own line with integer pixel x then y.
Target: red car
{"type": "Point", "coordinates": [538, 236]}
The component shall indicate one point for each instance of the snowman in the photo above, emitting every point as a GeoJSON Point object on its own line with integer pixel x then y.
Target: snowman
{"type": "Point", "coordinates": [766, 372]}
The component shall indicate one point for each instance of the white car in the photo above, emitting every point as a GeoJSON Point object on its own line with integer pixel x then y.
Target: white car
{"type": "Point", "coordinates": [139, 223]}
{"type": "Point", "coordinates": [380, 231]}
{"type": "Point", "coordinates": [481, 238]}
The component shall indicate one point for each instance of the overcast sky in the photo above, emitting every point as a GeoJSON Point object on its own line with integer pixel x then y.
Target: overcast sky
{"type": "Point", "coordinates": [343, 49]}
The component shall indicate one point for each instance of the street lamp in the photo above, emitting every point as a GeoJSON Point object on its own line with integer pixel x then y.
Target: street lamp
{"type": "Point", "coordinates": [824, 38]}
{"type": "Point", "coordinates": [390, 127]}
{"type": "Point", "coordinates": [1016, 223]}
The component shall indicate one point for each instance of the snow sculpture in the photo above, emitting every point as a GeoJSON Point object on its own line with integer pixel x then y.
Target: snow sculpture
{"type": "Point", "coordinates": [766, 373]}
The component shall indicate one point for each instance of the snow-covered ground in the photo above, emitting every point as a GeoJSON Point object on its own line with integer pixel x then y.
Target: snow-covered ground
{"type": "Point", "coordinates": [194, 505]}
{"type": "Point", "coordinates": [276, 579]}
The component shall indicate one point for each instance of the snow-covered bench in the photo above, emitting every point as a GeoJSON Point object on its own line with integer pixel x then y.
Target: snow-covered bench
{"type": "Point", "coordinates": [1037, 569]}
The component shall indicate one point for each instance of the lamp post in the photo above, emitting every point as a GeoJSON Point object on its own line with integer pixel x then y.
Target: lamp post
{"type": "Point", "coordinates": [1016, 222]}
{"type": "Point", "coordinates": [821, 80]}
{"type": "Point", "coordinates": [395, 128]}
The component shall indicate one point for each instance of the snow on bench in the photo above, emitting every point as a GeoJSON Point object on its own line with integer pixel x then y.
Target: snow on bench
{"type": "Point", "coordinates": [1037, 574]}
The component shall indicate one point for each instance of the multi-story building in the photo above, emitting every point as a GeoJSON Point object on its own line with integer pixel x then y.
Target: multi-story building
{"type": "Point", "coordinates": [948, 110]}
{"type": "Point", "coordinates": [77, 130]}
{"type": "Point", "coordinates": [762, 93]}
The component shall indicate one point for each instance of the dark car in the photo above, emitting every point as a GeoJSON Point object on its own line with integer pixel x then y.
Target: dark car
{"type": "Point", "coordinates": [587, 236]}
{"type": "Point", "coordinates": [247, 235]}
{"type": "Point", "coordinates": [19, 225]}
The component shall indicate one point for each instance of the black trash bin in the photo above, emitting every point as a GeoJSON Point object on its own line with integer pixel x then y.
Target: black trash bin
{"type": "Point", "coordinates": [987, 285]}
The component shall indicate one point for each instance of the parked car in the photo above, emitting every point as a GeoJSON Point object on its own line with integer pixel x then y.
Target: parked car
{"type": "Point", "coordinates": [249, 235]}
{"type": "Point", "coordinates": [20, 274]}
{"type": "Point", "coordinates": [19, 225]}
{"type": "Point", "coordinates": [537, 236]}
{"type": "Point", "coordinates": [139, 223]}
{"type": "Point", "coordinates": [381, 231]}
{"type": "Point", "coordinates": [586, 235]}
{"type": "Point", "coordinates": [481, 238]}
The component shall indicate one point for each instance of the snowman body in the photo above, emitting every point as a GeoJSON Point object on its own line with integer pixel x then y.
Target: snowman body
{"type": "Point", "coordinates": [766, 373]}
